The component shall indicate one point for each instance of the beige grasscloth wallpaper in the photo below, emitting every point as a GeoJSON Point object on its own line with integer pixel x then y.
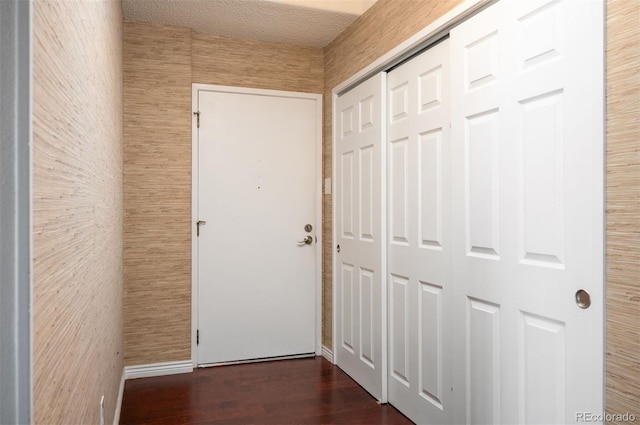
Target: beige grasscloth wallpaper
{"type": "Point", "coordinates": [161, 63]}
{"type": "Point", "coordinates": [245, 63]}
{"type": "Point", "coordinates": [77, 210]}
{"type": "Point", "coordinates": [157, 194]}
{"type": "Point", "coordinates": [623, 208]}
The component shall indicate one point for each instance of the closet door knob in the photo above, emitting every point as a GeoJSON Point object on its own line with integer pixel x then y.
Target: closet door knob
{"type": "Point", "coordinates": [583, 299]}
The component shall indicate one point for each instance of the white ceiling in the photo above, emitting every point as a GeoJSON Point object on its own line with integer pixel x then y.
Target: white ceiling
{"type": "Point", "coordinates": [313, 23]}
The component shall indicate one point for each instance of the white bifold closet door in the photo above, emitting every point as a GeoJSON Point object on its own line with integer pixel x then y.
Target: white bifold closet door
{"type": "Point", "coordinates": [419, 242]}
{"type": "Point", "coordinates": [359, 347]}
{"type": "Point", "coordinates": [527, 150]}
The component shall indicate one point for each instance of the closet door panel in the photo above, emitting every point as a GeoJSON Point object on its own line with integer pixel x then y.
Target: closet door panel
{"type": "Point", "coordinates": [419, 236]}
{"type": "Point", "coordinates": [360, 348]}
{"type": "Point", "coordinates": [527, 138]}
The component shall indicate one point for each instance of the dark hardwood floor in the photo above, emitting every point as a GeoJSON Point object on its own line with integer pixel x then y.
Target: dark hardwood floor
{"type": "Point", "coordinates": [300, 391]}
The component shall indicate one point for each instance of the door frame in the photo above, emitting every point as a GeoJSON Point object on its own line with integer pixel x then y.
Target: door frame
{"type": "Point", "coordinates": [196, 87]}
{"type": "Point", "coordinates": [16, 210]}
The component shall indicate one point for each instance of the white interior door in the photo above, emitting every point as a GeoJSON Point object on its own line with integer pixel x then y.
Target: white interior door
{"type": "Point", "coordinates": [360, 328]}
{"type": "Point", "coordinates": [419, 245]}
{"type": "Point", "coordinates": [256, 192]}
{"type": "Point", "coordinates": [527, 137]}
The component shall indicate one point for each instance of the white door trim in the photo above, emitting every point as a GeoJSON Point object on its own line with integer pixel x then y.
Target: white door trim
{"type": "Point", "coordinates": [194, 203]}
{"type": "Point", "coordinates": [431, 32]}
{"type": "Point", "coordinates": [16, 210]}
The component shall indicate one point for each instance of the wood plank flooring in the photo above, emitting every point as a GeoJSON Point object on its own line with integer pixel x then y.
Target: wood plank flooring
{"type": "Point", "coordinates": [300, 391]}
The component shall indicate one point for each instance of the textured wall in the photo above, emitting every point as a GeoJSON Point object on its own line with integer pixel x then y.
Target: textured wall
{"type": "Point", "coordinates": [157, 194]}
{"type": "Point", "coordinates": [77, 209]}
{"type": "Point", "coordinates": [385, 25]}
{"type": "Point", "coordinates": [160, 63]}
{"type": "Point", "coordinates": [623, 208]}
{"type": "Point", "coordinates": [257, 64]}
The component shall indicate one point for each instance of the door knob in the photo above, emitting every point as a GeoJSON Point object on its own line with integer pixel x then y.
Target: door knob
{"type": "Point", "coordinates": [308, 240]}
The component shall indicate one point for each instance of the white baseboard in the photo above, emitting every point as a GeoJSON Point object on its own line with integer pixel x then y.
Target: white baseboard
{"type": "Point", "coordinates": [116, 416]}
{"type": "Point", "coordinates": [327, 354]}
{"type": "Point", "coordinates": [157, 369]}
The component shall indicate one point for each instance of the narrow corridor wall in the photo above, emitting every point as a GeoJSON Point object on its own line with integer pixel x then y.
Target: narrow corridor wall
{"type": "Point", "coordinates": [77, 210]}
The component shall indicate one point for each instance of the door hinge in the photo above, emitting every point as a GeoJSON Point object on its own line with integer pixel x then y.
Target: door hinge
{"type": "Point", "coordinates": [198, 337]}
{"type": "Point", "coordinates": [198, 224]}
{"type": "Point", "coordinates": [197, 114]}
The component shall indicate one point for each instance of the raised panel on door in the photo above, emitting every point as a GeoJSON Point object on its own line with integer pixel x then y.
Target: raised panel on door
{"type": "Point", "coordinates": [542, 373]}
{"type": "Point", "coordinates": [360, 348]}
{"type": "Point", "coordinates": [366, 206]}
{"type": "Point", "coordinates": [541, 198]}
{"type": "Point", "coordinates": [347, 307]}
{"type": "Point", "coordinates": [527, 139]}
{"type": "Point", "coordinates": [483, 362]}
{"type": "Point", "coordinates": [399, 330]}
{"type": "Point", "coordinates": [482, 179]}
{"type": "Point", "coordinates": [398, 187]}
{"type": "Point", "coordinates": [430, 169]}
{"type": "Point", "coordinates": [418, 193]}
{"type": "Point", "coordinates": [367, 317]}
{"type": "Point", "coordinates": [346, 194]}
{"type": "Point", "coordinates": [431, 353]}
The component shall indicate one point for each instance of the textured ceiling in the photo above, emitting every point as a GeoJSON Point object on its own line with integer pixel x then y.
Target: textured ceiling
{"type": "Point", "coordinates": [312, 23]}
